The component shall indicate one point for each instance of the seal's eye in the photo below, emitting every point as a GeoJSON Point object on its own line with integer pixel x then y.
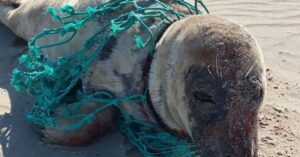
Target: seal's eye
{"type": "Point", "coordinates": [203, 97]}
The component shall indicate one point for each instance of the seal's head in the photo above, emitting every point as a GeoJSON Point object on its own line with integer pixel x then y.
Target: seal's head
{"type": "Point", "coordinates": [211, 84]}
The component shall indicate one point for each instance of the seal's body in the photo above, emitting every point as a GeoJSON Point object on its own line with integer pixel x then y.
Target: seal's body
{"type": "Point", "coordinates": [206, 79]}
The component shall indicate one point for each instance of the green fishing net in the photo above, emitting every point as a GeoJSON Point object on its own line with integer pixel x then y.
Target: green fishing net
{"type": "Point", "coordinates": [51, 81]}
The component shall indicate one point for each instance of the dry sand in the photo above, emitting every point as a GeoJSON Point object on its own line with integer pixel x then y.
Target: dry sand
{"type": "Point", "coordinates": [275, 24]}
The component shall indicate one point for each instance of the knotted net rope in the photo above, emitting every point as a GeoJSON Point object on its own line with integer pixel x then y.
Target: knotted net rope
{"type": "Point", "coordinates": [51, 81]}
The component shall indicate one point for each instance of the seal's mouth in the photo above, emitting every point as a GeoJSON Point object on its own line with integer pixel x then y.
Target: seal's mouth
{"type": "Point", "coordinates": [234, 138]}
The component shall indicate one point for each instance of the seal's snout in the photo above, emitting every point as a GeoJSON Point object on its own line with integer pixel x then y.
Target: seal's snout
{"type": "Point", "coordinates": [211, 86]}
{"type": "Point", "coordinates": [228, 138]}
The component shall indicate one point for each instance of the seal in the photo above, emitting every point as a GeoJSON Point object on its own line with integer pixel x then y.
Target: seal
{"type": "Point", "coordinates": [24, 19]}
{"type": "Point", "coordinates": [206, 79]}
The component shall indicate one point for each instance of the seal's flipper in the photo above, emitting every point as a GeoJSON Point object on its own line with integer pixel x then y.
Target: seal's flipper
{"type": "Point", "coordinates": [84, 134]}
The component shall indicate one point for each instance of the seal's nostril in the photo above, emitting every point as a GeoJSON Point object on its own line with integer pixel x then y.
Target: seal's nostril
{"type": "Point", "coordinates": [227, 156]}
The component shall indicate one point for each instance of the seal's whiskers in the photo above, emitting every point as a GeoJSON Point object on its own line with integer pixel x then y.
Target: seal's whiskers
{"type": "Point", "coordinates": [250, 69]}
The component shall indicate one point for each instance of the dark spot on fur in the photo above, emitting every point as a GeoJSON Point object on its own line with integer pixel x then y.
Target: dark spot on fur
{"type": "Point", "coordinates": [127, 81]}
{"type": "Point", "coordinates": [72, 95]}
{"type": "Point", "coordinates": [91, 73]}
{"type": "Point", "coordinates": [116, 73]}
{"type": "Point", "coordinates": [15, 5]}
{"type": "Point", "coordinates": [107, 50]}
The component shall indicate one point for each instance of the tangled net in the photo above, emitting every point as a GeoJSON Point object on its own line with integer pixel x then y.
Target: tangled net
{"type": "Point", "coordinates": [50, 81]}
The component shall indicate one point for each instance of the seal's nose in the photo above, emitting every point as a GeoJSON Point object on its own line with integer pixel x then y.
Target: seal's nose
{"type": "Point", "coordinates": [232, 137]}
{"type": "Point", "coordinates": [224, 148]}
{"type": "Point", "coordinates": [242, 151]}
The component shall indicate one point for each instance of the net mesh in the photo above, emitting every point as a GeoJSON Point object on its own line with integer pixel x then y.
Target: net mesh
{"type": "Point", "coordinates": [51, 81]}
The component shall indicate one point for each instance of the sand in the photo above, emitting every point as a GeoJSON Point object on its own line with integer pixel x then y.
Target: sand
{"type": "Point", "coordinates": [275, 24]}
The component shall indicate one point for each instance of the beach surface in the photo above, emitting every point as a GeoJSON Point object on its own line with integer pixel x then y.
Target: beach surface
{"type": "Point", "coordinates": [276, 26]}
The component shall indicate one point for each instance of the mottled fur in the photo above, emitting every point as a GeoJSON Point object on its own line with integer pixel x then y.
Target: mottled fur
{"type": "Point", "coordinates": [206, 78]}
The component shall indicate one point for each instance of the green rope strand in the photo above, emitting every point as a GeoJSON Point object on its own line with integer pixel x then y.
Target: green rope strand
{"type": "Point", "coordinates": [50, 81]}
